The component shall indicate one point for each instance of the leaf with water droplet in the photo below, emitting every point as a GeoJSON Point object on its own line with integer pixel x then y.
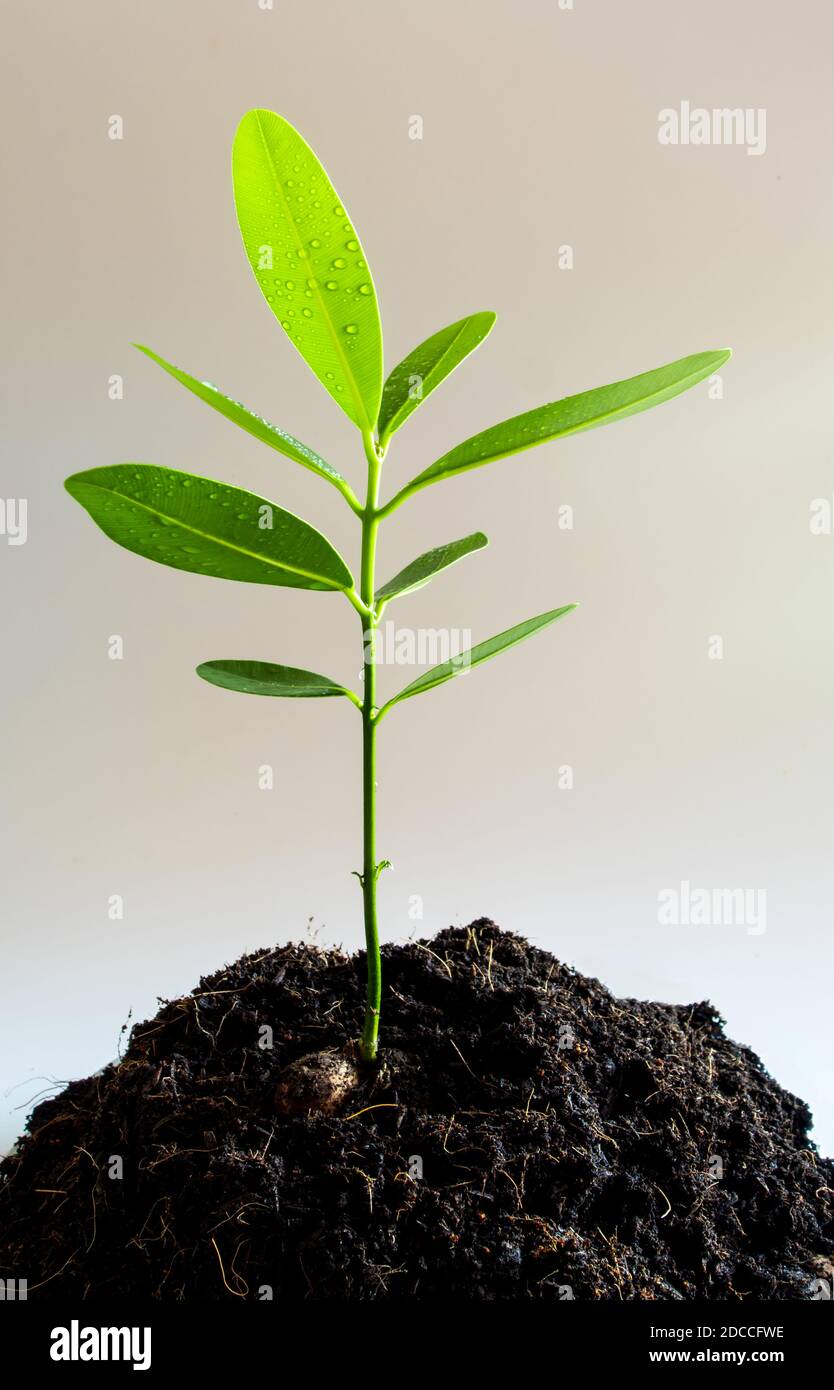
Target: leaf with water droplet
{"type": "Point", "coordinates": [266, 148]}
{"type": "Point", "coordinates": [426, 366]}
{"type": "Point", "coordinates": [254, 424]}
{"type": "Point", "coordinates": [570, 416]}
{"type": "Point", "coordinates": [264, 678]}
{"type": "Point", "coordinates": [235, 533]}
{"type": "Point", "coordinates": [421, 570]}
{"type": "Point", "coordinates": [447, 670]}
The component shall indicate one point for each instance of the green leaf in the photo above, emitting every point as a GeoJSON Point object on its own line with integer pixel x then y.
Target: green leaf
{"type": "Point", "coordinates": [307, 259]}
{"type": "Point", "coordinates": [253, 424]}
{"type": "Point", "coordinates": [423, 369]}
{"type": "Point", "coordinates": [583, 412]}
{"type": "Point", "coordinates": [207, 527]}
{"type": "Point", "coordinates": [421, 570]}
{"type": "Point", "coordinates": [263, 678]}
{"type": "Point", "coordinates": [475, 655]}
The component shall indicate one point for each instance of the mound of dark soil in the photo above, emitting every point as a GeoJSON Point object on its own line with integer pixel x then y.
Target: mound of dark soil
{"type": "Point", "coordinates": [530, 1136]}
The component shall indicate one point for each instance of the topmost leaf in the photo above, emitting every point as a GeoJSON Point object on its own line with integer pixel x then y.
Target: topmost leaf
{"type": "Point", "coordinates": [308, 261]}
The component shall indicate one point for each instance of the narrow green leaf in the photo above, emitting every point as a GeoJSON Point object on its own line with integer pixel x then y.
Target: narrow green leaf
{"type": "Point", "coordinates": [421, 570]}
{"type": "Point", "coordinates": [423, 369]}
{"type": "Point", "coordinates": [475, 655]}
{"type": "Point", "coordinates": [307, 259]}
{"type": "Point", "coordinates": [263, 678]}
{"type": "Point", "coordinates": [247, 420]}
{"type": "Point", "coordinates": [583, 412]}
{"type": "Point", "coordinates": [207, 527]}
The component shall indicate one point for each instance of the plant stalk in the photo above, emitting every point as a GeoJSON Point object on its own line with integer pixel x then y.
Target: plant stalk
{"type": "Point", "coordinates": [370, 526]}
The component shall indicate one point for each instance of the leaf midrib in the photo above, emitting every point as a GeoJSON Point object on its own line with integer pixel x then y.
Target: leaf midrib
{"type": "Point", "coordinates": [340, 352]}
{"type": "Point", "coordinates": [215, 540]}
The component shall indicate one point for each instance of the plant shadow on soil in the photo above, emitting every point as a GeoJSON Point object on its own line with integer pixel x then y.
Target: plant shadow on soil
{"type": "Point", "coordinates": [528, 1136]}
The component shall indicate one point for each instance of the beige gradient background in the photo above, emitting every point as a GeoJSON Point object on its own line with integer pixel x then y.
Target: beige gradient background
{"type": "Point", "coordinates": [540, 129]}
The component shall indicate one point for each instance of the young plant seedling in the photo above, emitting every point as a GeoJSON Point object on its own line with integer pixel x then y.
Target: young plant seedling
{"type": "Point", "coordinates": [311, 268]}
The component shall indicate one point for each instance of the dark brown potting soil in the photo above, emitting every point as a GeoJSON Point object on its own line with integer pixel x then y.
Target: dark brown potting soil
{"type": "Point", "coordinates": [528, 1136]}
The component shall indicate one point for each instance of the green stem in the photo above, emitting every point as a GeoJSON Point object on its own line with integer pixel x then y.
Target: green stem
{"type": "Point", "coordinates": [402, 496]}
{"type": "Point", "coordinates": [370, 526]}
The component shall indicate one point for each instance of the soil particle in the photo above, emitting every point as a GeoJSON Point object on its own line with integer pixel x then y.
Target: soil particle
{"type": "Point", "coordinates": [526, 1135]}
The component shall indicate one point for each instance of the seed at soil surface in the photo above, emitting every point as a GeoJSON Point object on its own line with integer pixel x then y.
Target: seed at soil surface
{"type": "Point", "coordinates": [319, 1082]}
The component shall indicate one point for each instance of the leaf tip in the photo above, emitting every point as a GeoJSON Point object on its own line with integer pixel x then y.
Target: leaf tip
{"type": "Point", "coordinates": [718, 356]}
{"type": "Point", "coordinates": [253, 114]}
{"type": "Point", "coordinates": [565, 610]}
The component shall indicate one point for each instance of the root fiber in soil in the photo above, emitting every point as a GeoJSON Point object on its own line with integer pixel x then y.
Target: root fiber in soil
{"type": "Point", "coordinates": [527, 1135]}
